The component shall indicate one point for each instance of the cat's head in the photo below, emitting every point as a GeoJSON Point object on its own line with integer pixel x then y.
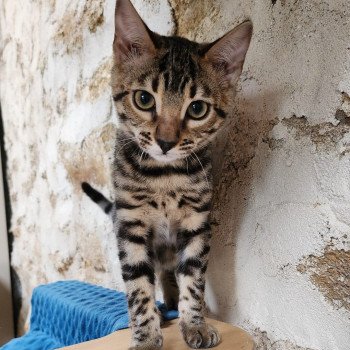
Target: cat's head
{"type": "Point", "coordinates": [172, 95]}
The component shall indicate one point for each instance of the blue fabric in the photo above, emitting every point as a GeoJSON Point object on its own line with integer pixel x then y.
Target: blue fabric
{"type": "Point", "coordinates": [70, 312]}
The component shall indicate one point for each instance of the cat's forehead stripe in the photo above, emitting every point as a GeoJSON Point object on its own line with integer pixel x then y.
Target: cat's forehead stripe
{"type": "Point", "coordinates": [176, 79]}
{"type": "Point", "coordinates": [193, 90]}
{"type": "Point", "coordinates": [163, 63]}
{"type": "Point", "coordinates": [155, 83]}
{"type": "Point", "coordinates": [142, 78]}
{"type": "Point", "coordinates": [166, 80]}
{"type": "Point", "coordinates": [178, 64]}
{"type": "Point", "coordinates": [184, 82]}
{"type": "Point", "coordinates": [206, 90]}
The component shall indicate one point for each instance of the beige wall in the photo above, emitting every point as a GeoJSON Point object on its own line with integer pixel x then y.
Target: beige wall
{"type": "Point", "coordinates": [280, 258]}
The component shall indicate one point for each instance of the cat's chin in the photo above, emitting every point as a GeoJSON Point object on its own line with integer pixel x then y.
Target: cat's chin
{"type": "Point", "coordinates": [165, 158]}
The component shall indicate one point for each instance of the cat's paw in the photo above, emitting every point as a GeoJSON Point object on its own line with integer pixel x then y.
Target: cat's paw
{"type": "Point", "coordinates": [155, 344]}
{"type": "Point", "coordinates": [199, 336]}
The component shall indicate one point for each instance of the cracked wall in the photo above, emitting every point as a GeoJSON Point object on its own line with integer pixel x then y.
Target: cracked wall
{"type": "Point", "coordinates": [330, 273]}
{"type": "Point", "coordinates": [280, 257]}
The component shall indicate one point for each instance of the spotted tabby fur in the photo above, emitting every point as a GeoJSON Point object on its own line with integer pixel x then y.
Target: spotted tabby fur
{"type": "Point", "coordinates": [162, 167]}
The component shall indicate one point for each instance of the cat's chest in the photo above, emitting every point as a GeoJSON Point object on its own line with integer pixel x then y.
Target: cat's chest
{"type": "Point", "coordinates": [167, 212]}
{"type": "Point", "coordinates": [167, 205]}
{"type": "Point", "coordinates": [163, 185]}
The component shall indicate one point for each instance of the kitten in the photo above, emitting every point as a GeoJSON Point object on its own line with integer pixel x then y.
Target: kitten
{"type": "Point", "coordinates": [172, 96]}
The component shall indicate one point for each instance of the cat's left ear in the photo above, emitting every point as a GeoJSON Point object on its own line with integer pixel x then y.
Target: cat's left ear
{"type": "Point", "coordinates": [227, 54]}
{"type": "Point", "coordinates": [132, 36]}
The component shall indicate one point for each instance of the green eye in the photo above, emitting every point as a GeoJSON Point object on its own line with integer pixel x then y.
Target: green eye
{"type": "Point", "coordinates": [197, 109]}
{"type": "Point", "coordinates": [144, 100]}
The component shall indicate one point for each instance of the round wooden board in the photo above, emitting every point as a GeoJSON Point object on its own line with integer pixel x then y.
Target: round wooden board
{"type": "Point", "coordinates": [233, 338]}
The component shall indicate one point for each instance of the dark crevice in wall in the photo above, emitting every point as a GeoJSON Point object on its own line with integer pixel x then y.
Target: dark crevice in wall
{"type": "Point", "coordinates": [175, 20]}
{"type": "Point", "coordinates": [15, 282]}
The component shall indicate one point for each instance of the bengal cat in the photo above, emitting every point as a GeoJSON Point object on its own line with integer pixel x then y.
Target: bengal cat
{"type": "Point", "coordinates": [172, 96]}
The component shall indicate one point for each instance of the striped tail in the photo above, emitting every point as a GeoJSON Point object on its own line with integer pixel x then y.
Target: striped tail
{"type": "Point", "coordinates": [97, 197]}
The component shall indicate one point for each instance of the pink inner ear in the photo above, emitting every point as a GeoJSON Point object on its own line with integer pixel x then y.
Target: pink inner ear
{"type": "Point", "coordinates": [233, 66]}
{"type": "Point", "coordinates": [228, 53]}
{"type": "Point", "coordinates": [128, 48]}
{"type": "Point", "coordinates": [131, 33]}
{"type": "Point", "coordinates": [122, 46]}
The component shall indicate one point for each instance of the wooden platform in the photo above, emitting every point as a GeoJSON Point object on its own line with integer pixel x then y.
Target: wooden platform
{"type": "Point", "coordinates": [232, 338]}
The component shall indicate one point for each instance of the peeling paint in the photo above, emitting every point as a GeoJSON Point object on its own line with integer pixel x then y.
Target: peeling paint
{"type": "Point", "coordinates": [81, 166]}
{"type": "Point", "coordinates": [90, 89]}
{"type": "Point", "coordinates": [330, 273]}
{"type": "Point", "coordinates": [61, 100]}
{"type": "Point", "coordinates": [190, 16]}
{"type": "Point", "coordinates": [274, 144]}
{"type": "Point", "coordinates": [70, 29]}
{"type": "Point", "coordinates": [263, 342]}
{"type": "Point", "coordinates": [67, 34]}
{"type": "Point", "coordinates": [345, 104]}
{"type": "Point", "coordinates": [64, 265]}
{"type": "Point", "coordinates": [242, 141]}
{"type": "Point", "coordinates": [324, 135]}
{"type": "Point", "coordinates": [93, 11]}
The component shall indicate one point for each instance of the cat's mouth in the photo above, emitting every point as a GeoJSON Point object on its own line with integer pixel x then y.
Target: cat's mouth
{"type": "Point", "coordinates": [155, 152]}
{"type": "Point", "coordinates": [160, 154]}
{"type": "Point", "coordinates": [164, 158]}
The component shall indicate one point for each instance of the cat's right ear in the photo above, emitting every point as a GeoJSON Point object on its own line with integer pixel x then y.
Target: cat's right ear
{"type": "Point", "coordinates": [227, 54]}
{"type": "Point", "coordinates": [131, 37]}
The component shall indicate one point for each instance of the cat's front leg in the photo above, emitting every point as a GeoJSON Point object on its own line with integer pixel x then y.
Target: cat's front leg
{"type": "Point", "coordinates": [135, 242]}
{"type": "Point", "coordinates": [193, 248]}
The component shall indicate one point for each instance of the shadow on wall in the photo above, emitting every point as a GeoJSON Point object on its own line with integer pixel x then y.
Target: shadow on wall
{"type": "Point", "coordinates": [15, 282]}
{"type": "Point", "coordinates": [6, 319]}
{"type": "Point", "coordinates": [233, 177]}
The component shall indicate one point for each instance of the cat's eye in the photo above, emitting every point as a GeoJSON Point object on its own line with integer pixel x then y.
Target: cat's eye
{"type": "Point", "coordinates": [144, 100]}
{"type": "Point", "coordinates": [197, 109]}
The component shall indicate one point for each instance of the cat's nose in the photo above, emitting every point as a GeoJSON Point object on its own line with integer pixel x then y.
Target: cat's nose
{"type": "Point", "coordinates": [165, 145]}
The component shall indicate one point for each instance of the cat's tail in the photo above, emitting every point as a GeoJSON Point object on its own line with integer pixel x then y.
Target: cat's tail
{"type": "Point", "coordinates": [97, 197]}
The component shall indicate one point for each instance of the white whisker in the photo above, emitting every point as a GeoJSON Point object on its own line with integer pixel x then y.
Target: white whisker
{"type": "Point", "coordinates": [141, 157]}
{"type": "Point", "coordinates": [205, 174]}
{"type": "Point", "coordinates": [126, 139]}
{"type": "Point", "coordinates": [123, 146]}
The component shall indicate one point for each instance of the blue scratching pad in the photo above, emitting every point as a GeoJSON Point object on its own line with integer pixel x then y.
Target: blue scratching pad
{"type": "Point", "coordinates": [70, 312]}
{"type": "Point", "coordinates": [33, 340]}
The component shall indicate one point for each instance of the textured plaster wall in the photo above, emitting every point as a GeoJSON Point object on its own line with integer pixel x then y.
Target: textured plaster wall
{"type": "Point", "coordinates": [280, 260]}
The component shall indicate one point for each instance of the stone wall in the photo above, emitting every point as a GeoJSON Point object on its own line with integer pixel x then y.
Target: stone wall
{"type": "Point", "coordinates": [280, 260]}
